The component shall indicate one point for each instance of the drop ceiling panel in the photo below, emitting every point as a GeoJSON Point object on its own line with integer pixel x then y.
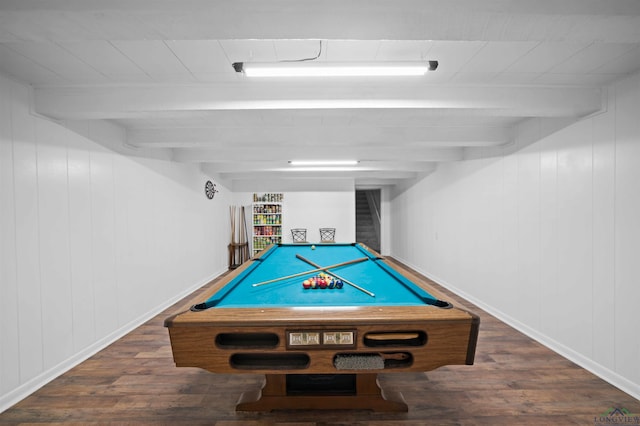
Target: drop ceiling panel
{"type": "Point", "coordinates": [249, 50]}
{"type": "Point", "coordinates": [153, 57]}
{"type": "Point", "coordinates": [517, 78]}
{"type": "Point", "coordinates": [26, 70]}
{"type": "Point", "coordinates": [452, 55]}
{"type": "Point", "coordinates": [526, 27]}
{"type": "Point", "coordinates": [411, 50]}
{"type": "Point", "coordinates": [201, 56]}
{"type": "Point", "coordinates": [495, 57]}
{"type": "Point", "coordinates": [564, 79]}
{"type": "Point", "coordinates": [495, 25]}
{"type": "Point", "coordinates": [52, 57]}
{"type": "Point", "coordinates": [592, 57]}
{"type": "Point", "coordinates": [545, 56]}
{"type": "Point", "coordinates": [295, 50]}
{"type": "Point", "coordinates": [625, 64]}
{"type": "Point", "coordinates": [475, 78]}
{"type": "Point", "coordinates": [103, 56]}
{"type": "Point", "coordinates": [352, 50]}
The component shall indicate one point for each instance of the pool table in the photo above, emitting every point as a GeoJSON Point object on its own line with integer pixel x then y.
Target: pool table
{"type": "Point", "coordinates": [321, 348]}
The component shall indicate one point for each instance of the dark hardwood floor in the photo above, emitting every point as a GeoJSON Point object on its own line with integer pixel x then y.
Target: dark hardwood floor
{"type": "Point", "coordinates": [515, 381]}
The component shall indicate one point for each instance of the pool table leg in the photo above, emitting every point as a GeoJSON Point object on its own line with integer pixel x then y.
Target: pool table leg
{"type": "Point", "coordinates": [368, 396]}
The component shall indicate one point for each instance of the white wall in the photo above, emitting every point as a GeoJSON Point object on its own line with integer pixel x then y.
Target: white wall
{"type": "Point", "coordinates": [545, 235]}
{"type": "Point", "coordinates": [334, 208]}
{"type": "Point", "coordinates": [315, 210]}
{"type": "Point", "coordinates": [92, 242]}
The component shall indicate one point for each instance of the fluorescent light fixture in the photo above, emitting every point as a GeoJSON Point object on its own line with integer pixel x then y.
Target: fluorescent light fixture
{"type": "Point", "coordinates": [323, 162]}
{"type": "Point", "coordinates": [327, 69]}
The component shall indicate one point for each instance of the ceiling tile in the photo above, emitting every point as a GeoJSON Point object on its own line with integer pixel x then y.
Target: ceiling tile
{"type": "Point", "coordinates": [295, 50]}
{"type": "Point", "coordinates": [400, 50]}
{"type": "Point", "coordinates": [103, 56]}
{"type": "Point", "coordinates": [545, 56]}
{"type": "Point", "coordinates": [58, 60]}
{"type": "Point", "coordinates": [201, 56]}
{"type": "Point", "coordinates": [497, 56]}
{"type": "Point", "coordinates": [621, 65]}
{"type": "Point", "coordinates": [26, 70]}
{"type": "Point", "coordinates": [592, 57]}
{"type": "Point", "coordinates": [475, 78]}
{"type": "Point", "coordinates": [249, 50]}
{"type": "Point", "coordinates": [352, 50]}
{"type": "Point", "coordinates": [452, 55]}
{"type": "Point", "coordinates": [564, 79]}
{"type": "Point", "coordinates": [152, 56]}
{"type": "Point", "coordinates": [516, 78]}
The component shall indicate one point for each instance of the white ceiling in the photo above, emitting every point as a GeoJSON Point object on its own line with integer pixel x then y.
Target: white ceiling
{"type": "Point", "coordinates": [161, 69]}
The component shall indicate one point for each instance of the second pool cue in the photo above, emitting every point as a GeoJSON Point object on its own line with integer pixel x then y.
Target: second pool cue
{"type": "Point", "coordinates": [337, 265]}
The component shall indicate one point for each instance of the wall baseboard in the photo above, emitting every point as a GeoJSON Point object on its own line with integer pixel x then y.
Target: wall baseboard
{"type": "Point", "coordinates": [29, 387]}
{"type": "Point", "coordinates": [599, 370]}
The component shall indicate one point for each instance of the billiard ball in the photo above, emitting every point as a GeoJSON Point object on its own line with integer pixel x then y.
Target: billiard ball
{"type": "Point", "coordinates": [306, 284]}
{"type": "Point", "coordinates": [339, 284]}
{"type": "Point", "coordinates": [313, 247]}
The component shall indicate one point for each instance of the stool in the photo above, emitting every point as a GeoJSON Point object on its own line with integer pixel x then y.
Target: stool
{"type": "Point", "coordinates": [327, 235]}
{"type": "Point", "coordinates": [299, 235]}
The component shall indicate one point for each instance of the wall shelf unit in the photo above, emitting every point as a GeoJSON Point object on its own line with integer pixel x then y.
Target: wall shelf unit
{"type": "Point", "coordinates": [267, 220]}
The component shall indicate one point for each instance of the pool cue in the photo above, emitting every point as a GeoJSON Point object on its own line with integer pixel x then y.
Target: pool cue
{"type": "Point", "coordinates": [337, 265]}
{"type": "Point", "coordinates": [336, 276]}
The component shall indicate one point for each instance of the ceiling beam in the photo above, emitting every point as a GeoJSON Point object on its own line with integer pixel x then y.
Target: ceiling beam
{"type": "Point", "coordinates": [128, 102]}
{"type": "Point", "coordinates": [383, 174]}
{"type": "Point", "coordinates": [382, 153]}
{"type": "Point", "coordinates": [330, 136]}
{"type": "Point", "coordinates": [284, 166]}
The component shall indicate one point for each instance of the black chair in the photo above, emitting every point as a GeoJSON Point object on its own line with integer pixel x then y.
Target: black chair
{"type": "Point", "coordinates": [299, 235]}
{"type": "Point", "coordinates": [327, 235]}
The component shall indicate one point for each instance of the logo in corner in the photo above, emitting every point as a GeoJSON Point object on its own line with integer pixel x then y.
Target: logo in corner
{"type": "Point", "coordinates": [617, 416]}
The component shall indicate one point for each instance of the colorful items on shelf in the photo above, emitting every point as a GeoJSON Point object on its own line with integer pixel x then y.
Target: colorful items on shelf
{"type": "Point", "coordinates": [268, 230]}
{"type": "Point", "coordinates": [263, 219]}
{"type": "Point", "coordinates": [268, 198]}
{"type": "Point", "coordinates": [267, 220]}
{"type": "Point", "coordinates": [260, 243]}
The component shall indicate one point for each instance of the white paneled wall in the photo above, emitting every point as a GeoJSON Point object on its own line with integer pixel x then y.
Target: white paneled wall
{"type": "Point", "coordinates": [545, 235]}
{"type": "Point", "coordinates": [93, 242]}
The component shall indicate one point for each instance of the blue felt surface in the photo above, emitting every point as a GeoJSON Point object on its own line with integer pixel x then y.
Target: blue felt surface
{"type": "Point", "coordinates": [389, 287]}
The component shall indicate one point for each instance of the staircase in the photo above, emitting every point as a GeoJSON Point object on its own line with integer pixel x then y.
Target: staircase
{"type": "Point", "coordinates": [365, 232]}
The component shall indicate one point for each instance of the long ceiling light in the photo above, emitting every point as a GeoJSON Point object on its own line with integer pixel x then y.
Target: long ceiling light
{"type": "Point", "coordinates": [323, 162]}
{"type": "Point", "coordinates": [327, 69]}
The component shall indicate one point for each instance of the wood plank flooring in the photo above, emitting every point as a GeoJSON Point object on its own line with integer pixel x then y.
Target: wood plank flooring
{"type": "Point", "coordinates": [515, 381]}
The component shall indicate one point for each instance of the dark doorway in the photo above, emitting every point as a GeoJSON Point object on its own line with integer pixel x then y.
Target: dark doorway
{"type": "Point", "coordinates": [368, 218]}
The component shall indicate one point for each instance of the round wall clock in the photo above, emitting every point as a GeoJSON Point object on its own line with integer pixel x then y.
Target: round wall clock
{"type": "Point", "coordinates": [210, 189]}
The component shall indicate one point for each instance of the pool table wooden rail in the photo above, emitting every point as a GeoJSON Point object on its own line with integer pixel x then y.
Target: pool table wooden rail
{"type": "Point", "coordinates": [447, 342]}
